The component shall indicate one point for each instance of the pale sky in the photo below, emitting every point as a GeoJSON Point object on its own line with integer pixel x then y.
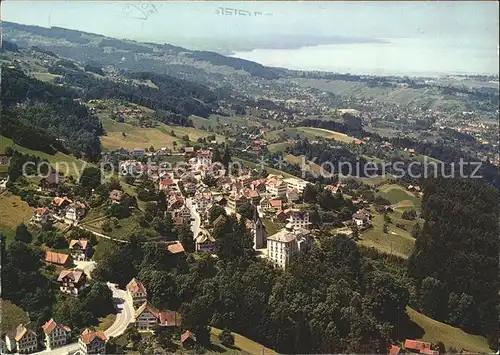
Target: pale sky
{"type": "Point", "coordinates": [477, 20]}
{"type": "Point", "coordinates": [456, 26]}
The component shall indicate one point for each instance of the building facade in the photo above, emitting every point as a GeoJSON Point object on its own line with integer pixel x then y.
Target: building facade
{"type": "Point", "coordinates": [56, 334]}
{"type": "Point", "coordinates": [92, 342]}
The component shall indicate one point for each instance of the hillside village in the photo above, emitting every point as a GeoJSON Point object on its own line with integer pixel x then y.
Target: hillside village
{"type": "Point", "coordinates": [149, 213]}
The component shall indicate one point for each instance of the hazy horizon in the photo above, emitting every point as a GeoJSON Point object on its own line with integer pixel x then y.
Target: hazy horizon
{"type": "Point", "coordinates": [451, 36]}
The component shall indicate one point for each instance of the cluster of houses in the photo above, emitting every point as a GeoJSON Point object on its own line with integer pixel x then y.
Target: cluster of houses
{"type": "Point", "coordinates": [62, 209]}
{"type": "Point", "coordinates": [147, 317]}
{"type": "Point", "coordinates": [24, 339]}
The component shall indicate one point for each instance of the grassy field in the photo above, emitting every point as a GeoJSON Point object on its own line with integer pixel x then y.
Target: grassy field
{"type": "Point", "coordinates": [398, 195]}
{"type": "Point", "coordinates": [11, 316]}
{"type": "Point", "coordinates": [137, 137]}
{"type": "Point", "coordinates": [47, 77]}
{"type": "Point", "coordinates": [435, 331]}
{"type": "Point", "coordinates": [396, 241]}
{"type": "Point", "coordinates": [246, 345]}
{"type": "Point", "coordinates": [293, 159]}
{"type": "Point", "coordinates": [13, 211]}
{"type": "Point", "coordinates": [106, 322]}
{"type": "Point", "coordinates": [250, 164]}
{"type": "Point", "coordinates": [59, 160]}
{"type": "Point", "coordinates": [325, 133]}
{"type": "Point", "coordinates": [278, 147]}
{"type": "Point", "coordinates": [271, 227]}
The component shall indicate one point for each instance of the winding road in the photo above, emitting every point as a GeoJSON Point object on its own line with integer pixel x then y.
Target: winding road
{"type": "Point", "coordinates": [124, 314]}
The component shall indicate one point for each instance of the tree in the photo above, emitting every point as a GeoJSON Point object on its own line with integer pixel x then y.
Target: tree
{"type": "Point", "coordinates": [23, 234]}
{"type": "Point", "coordinates": [162, 202]}
{"type": "Point", "coordinates": [91, 178]}
{"type": "Point", "coordinates": [355, 232]}
{"type": "Point", "coordinates": [385, 228]}
{"type": "Point", "coordinates": [214, 212]}
{"type": "Point", "coordinates": [186, 238]}
{"type": "Point", "coordinates": [132, 335]}
{"type": "Point", "coordinates": [226, 158]}
{"type": "Point", "coordinates": [226, 338]}
{"type": "Point", "coordinates": [309, 194]}
{"type": "Point", "coordinates": [415, 232]}
{"type": "Point", "coordinates": [248, 211]}
{"type": "Point", "coordinates": [232, 239]}
{"type": "Point", "coordinates": [216, 156]}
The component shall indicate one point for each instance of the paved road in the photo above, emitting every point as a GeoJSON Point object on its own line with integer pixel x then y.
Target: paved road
{"type": "Point", "coordinates": [196, 224]}
{"type": "Point", "coordinates": [125, 311]}
{"type": "Point", "coordinates": [124, 316]}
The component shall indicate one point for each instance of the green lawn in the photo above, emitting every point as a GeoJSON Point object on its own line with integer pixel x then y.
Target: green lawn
{"type": "Point", "coordinates": [435, 331]}
{"type": "Point", "coordinates": [11, 316]}
{"type": "Point", "coordinates": [278, 147]}
{"type": "Point", "coordinates": [246, 345]}
{"type": "Point", "coordinates": [271, 227]}
{"type": "Point", "coordinates": [325, 133]}
{"type": "Point", "coordinates": [106, 322]}
{"type": "Point", "coordinates": [67, 164]}
{"type": "Point", "coordinates": [397, 241]}
{"type": "Point", "coordinates": [258, 167]}
{"type": "Point", "coordinates": [13, 211]}
{"type": "Point", "coordinates": [399, 195]}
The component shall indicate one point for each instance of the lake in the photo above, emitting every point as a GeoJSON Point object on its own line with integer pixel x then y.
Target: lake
{"type": "Point", "coordinates": [402, 56]}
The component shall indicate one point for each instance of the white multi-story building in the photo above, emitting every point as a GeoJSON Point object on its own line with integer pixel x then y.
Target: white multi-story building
{"type": "Point", "coordinates": [284, 244]}
{"type": "Point", "coordinates": [56, 334]}
{"type": "Point", "coordinates": [276, 188]}
{"type": "Point", "coordinates": [21, 340]}
{"type": "Point", "coordinates": [204, 157]}
{"type": "Point", "coordinates": [295, 183]}
{"type": "Point", "coordinates": [203, 201]}
{"type": "Point", "coordinates": [92, 342]}
{"type": "Point", "coordinates": [298, 218]}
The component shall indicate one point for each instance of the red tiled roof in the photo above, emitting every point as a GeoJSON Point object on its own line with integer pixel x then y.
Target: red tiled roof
{"type": "Point", "coordinates": [169, 318]}
{"type": "Point", "coordinates": [50, 325]}
{"type": "Point", "coordinates": [81, 242]}
{"type": "Point", "coordinates": [175, 248]}
{"type": "Point", "coordinates": [275, 203]}
{"type": "Point", "coordinates": [186, 335]}
{"type": "Point", "coordinates": [416, 345]}
{"type": "Point", "coordinates": [41, 211]}
{"type": "Point", "coordinates": [56, 258]}
{"type": "Point", "coordinates": [135, 286]}
{"type": "Point", "coordinates": [429, 352]}
{"type": "Point", "coordinates": [167, 182]}
{"type": "Point", "coordinates": [394, 350]}
{"type": "Point", "coordinates": [88, 336]}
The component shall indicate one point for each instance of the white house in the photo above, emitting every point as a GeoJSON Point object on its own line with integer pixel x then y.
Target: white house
{"type": "Point", "coordinates": [362, 218]}
{"type": "Point", "coordinates": [92, 342]}
{"type": "Point", "coordinates": [285, 243]}
{"type": "Point", "coordinates": [298, 218]}
{"type": "Point", "coordinates": [204, 157]}
{"type": "Point", "coordinates": [56, 334]}
{"type": "Point", "coordinates": [295, 183]}
{"type": "Point", "coordinates": [21, 340]}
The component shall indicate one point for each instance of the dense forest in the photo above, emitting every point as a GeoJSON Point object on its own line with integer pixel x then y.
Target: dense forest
{"type": "Point", "coordinates": [45, 117]}
{"type": "Point", "coordinates": [455, 262]}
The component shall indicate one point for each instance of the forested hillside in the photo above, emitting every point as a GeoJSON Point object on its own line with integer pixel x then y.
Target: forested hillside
{"type": "Point", "coordinates": [455, 262]}
{"type": "Point", "coordinates": [46, 117]}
